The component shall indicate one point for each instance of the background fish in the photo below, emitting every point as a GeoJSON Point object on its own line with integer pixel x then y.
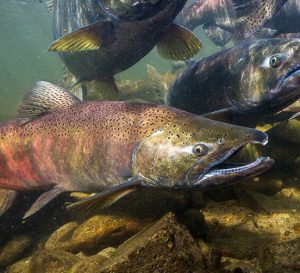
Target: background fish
{"type": "Point", "coordinates": [217, 18]}
{"type": "Point", "coordinates": [96, 49]}
{"type": "Point", "coordinates": [260, 77]}
{"type": "Point", "coordinates": [61, 144]}
{"type": "Point", "coordinates": [286, 21]}
{"type": "Point", "coordinates": [251, 15]}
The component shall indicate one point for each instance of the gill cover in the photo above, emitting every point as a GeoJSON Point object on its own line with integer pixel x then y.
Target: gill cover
{"type": "Point", "coordinates": [161, 160]}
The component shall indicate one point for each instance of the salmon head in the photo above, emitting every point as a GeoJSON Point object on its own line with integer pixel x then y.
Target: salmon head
{"type": "Point", "coordinates": [267, 77]}
{"type": "Point", "coordinates": [191, 151]}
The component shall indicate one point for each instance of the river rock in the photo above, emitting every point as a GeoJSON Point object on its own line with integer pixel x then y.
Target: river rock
{"type": "Point", "coordinates": [115, 224]}
{"type": "Point", "coordinates": [229, 265]}
{"type": "Point", "coordinates": [45, 261]}
{"type": "Point", "coordinates": [166, 246]}
{"type": "Point", "coordinates": [282, 257]}
{"type": "Point", "coordinates": [92, 263]}
{"type": "Point", "coordinates": [14, 250]}
{"type": "Point", "coordinates": [230, 228]}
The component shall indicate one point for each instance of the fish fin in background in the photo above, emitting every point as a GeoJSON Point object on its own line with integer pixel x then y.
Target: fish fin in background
{"type": "Point", "coordinates": [223, 115]}
{"type": "Point", "coordinates": [251, 15]}
{"type": "Point", "coordinates": [102, 89]}
{"type": "Point", "coordinates": [218, 35]}
{"type": "Point", "coordinates": [91, 37]}
{"type": "Point", "coordinates": [45, 98]}
{"type": "Point", "coordinates": [157, 80]}
{"type": "Point", "coordinates": [265, 33]}
{"type": "Point", "coordinates": [43, 200]}
{"type": "Point", "coordinates": [105, 198]}
{"type": "Point", "coordinates": [295, 116]}
{"type": "Point", "coordinates": [7, 198]}
{"type": "Point", "coordinates": [50, 5]}
{"type": "Point", "coordinates": [180, 44]}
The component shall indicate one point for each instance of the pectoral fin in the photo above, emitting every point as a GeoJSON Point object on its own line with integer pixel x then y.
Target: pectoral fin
{"type": "Point", "coordinates": [7, 198]}
{"type": "Point", "coordinates": [43, 200]}
{"type": "Point", "coordinates": [180, 44]}
{"type": "Point", "coordinates": [106, 197]}
{"type": "Point", "coordinates": [91, 37]}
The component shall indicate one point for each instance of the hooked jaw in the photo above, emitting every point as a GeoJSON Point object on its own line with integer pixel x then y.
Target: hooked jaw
{"type": "Point", "coordinates": [221, 174]}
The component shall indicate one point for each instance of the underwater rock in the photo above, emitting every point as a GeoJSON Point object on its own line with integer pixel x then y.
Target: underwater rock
{"type": "Point", "coordinates": [61, 238]}
{"type": "Point", "coordinates": [230, 229]}
{"type": "Point", "coordinates": [163, 247]}
{"type": "Point", "coordinates": [102, 231]}
{"type": "Point", "coordinates": [282, 257]}
{"type": "Point", "coordinates": [115, 224]}
{"type": "Point", "coordinates": [241, 232]}
{"type": "Point", "coordinates": [92, 263]}
{"type": "Point", "coordinates": [14, 250]}
{"type": "Point", "coordinates": [229, 265]}
{"type": "Point", "coordinates": [45, 261]}
{"type": "Point", "coordinates": [211, 256]}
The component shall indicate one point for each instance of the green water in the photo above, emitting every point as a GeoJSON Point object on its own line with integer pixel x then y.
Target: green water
{"type": "Point", "coordinates": [25, 34]}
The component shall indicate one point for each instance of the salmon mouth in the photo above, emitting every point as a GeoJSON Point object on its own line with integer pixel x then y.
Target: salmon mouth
{"type": "Point", "coordinates": [288, 79]}
{"type": "Point", "coordinates": [224, 173]}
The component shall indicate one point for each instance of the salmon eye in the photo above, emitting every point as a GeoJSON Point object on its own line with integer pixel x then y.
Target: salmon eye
{"type": "Point", "coordinates": [275, 61]}
{"type": "Point", "coordinates": [200, 149]}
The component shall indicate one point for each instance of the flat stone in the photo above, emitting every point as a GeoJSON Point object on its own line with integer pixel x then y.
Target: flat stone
{"type": "Point", "coordinates": [166, 246]}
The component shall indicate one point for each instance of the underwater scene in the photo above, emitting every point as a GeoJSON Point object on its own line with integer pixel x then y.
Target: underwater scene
{"type": "Point", "coordinates": [150, 136]}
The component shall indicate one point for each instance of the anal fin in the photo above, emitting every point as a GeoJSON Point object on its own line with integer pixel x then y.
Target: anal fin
{"type": "Point", "coordinates": [106, 197]}
{"type": "Point", "coordinates": [7, 198]}
{"type": "Point", "coordinates": [180, 44]}
{"type": "Point", "coordinates": [43, 200]}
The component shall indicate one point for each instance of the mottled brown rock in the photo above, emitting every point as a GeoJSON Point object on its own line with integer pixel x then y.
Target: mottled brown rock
{"type": "Point", "coordinates": [61, 238]}
{"type": "Point", "coordinates": [282, 257]}
{"type": "Point", "coordinates": [115, 224]}
{"type": "Point", "coordinates": [45, 261]}
{"type": "Point", "coordinates": [241, 232]}
{"type": "Point", "coordinates": [14, 250]}
{"type": "Point", "coordinates": [92, 263]}
{"type": "Point", "coordinates": [229, 265]}
{"type": "Point", "coordinates": [166, 246]}
{"type": "Point", "coordinates": [230, 228]}
{"type": "Point", "coordinates": [102, 231]}
{"type": "Point", "coordinates": [22, 266]}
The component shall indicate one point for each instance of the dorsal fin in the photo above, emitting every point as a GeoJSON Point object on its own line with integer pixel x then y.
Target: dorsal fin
{"type": "Point", "coordinates": [45, 98]}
